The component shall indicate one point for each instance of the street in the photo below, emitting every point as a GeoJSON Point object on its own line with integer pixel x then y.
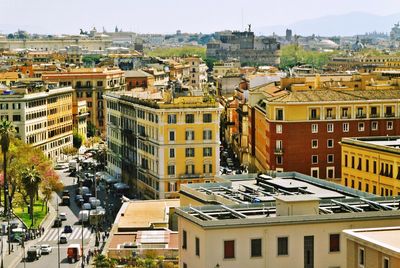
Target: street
{"type": "Point", "coordinates": [51, 234]}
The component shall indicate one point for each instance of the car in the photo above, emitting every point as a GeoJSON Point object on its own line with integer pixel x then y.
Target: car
{"type": "Point", "coordinates": [59, 166]}
{"type": "Point", "coordinates": [77, 197]}
{"type": "Point", "coordinates": [63, 216]}
{"type": "Point", "coordinates": [33, 253]}
{"type": "Point", "coordinates": [67, 229]}
{"type": "Point", "coordinates": [65, 201]}
{"type": "Point", "coordinates": [86, 206]}
{"type": "Point", "coordinates": [65, 193]}
{"type": "Point", "coordinates": [63, 239]}
{"type": "Point", "coordinates": [80, 202]}
{"type": "Point", "coordinates": [46, 249]}
{"type": "Point", "coordinates": [87, 196]}
{"type": "Point", "coordinates": [57, 223]}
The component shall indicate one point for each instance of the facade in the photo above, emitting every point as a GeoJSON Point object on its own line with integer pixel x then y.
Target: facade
{"type": "Point", "coordinates": [138, 78]}
{"type": "Point", "coordinates": [80, 116]}
{"type": "Point", "coordinates": [157, 142]}
{"type": "Point", "coordinates": [373, 247]}
{"type": "Point", "coordinates": [198, 72]}
{"type": "Point", "coordinates": [295, 231]}
{"type": "Point", "coordinates": [90, 85]}
{"type": "Point", "coordinates": [245, 47]}
{"type": "Point", "coordinates": [372, 164]}
{"type": "Point", "coordinates": [42, 116]}
{"type": "Point", "coordinates": [285, 122]}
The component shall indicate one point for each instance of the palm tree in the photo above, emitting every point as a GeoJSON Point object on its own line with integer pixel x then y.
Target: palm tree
{"type": "Point", "coordinates": [6, 130]}
{"type": "Point", "coordinates": [30, 180]}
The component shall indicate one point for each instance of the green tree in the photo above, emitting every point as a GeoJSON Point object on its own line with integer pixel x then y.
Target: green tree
{"type": "Point", "coordinates": [102, 261]}
{"type": "Point", "coordinates": [91, 129]}
{"type": "Point", "coordinates": [31, 180]}
{"type": "Point", "coordinates": [6, 130]}
{"type": "Point", "coordinates": [77, 140]}
{"type": "Point", "coordinates": [184, 51]}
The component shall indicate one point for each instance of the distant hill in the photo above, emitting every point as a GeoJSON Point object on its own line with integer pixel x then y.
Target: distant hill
{"type": "Point", "coordinates": [345, 25]}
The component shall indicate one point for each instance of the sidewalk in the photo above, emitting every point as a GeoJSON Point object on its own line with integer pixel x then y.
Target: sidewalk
{"type": "Point", "coordinates": [12, 260]}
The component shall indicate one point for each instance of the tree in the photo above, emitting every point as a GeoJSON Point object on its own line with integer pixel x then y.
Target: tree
{"type": "Point", "coordinates": [91, 129]}
{"type": "Point", "coordinates": [102, 261]}
{"type": "Point", "coordinates": [31, 180]}
{"type": "Point", "coordinates": [77, 140]}
{"type": "Point", "coordinates": [6, 130]}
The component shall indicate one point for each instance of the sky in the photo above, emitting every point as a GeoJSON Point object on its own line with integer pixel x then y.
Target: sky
{"type": "Point", "coordinates": [167, 16]}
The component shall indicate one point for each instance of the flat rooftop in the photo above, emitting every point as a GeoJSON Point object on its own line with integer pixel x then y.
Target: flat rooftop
{"type": "Point", "coordinates": [136, 215]}
{"type": "Point", "coordinates": [385, 143]}
{"type": "Point", "coordinates": [253, 188]}
{"type": "Point", "coordinates": [384, 239]}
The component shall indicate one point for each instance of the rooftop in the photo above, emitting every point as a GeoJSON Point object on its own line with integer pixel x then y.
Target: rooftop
{"type": "Point", "coordinates": [389, 144]}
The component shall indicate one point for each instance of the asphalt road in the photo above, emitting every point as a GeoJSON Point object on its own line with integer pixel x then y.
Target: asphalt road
{"type": "Point", "coordinates": [51, 235]}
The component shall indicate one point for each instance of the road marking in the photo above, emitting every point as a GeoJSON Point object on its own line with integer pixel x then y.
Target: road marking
{"type": "Point", "coordinates": [52, 235]}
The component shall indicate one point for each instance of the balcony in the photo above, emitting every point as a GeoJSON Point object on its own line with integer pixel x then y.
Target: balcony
{"type": "Point", "coordinates": [374, 115]}
{"type": "Point", "coordinates": [330, 117]}
{"type": "Point", "coordinates": [314, 117]}
{"type": "Point", "coordinates": [361, 115]}
{"type": "Point", "coordinates": [191, 176]}
{"type": "Point", "coordinates": [278, 151]}
{"type": "Point", "coordinates": [389, 114]}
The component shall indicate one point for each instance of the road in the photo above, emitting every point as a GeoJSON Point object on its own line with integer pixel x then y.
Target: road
{"type": "Point", "coordinates": [51, 234]}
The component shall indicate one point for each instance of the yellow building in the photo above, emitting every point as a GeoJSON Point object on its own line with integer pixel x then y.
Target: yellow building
{"type": "Point", "coordinates": [90, 84]}
{"type": "Point", "coordinates": [372, 164]}
{"type": "Point", "coordinates": [373, 247]}
{"type": "Point", "coordinates": [42, 116]}
{"type": "Point", "coordinates": [158, 142]}
{"type": "Point", "coordinates": [80, 115]}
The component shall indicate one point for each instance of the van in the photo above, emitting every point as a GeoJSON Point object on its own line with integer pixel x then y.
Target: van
{"type": "Point", "coordinates": [74, 252]}
{"type": "Point", "coordinates": [83, 216]}
{"type": "Point", "coordinates": [33, 253]}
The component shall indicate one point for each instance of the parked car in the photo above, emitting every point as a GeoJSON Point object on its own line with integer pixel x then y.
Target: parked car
{"type": "Point", "coordinates": [86, 206]}
{"type": "Point", "coordinates": [46, 249]}
{"type": "Point", "coordinates": [65, 193]}
{"type": "Point", "coordinates": [77, 197]}
{"type": "Point", "coordinates": [63, 216]}
{"type": "Point", "coordinates": [67, 229]}
{"type": "Point", "coordinates": [87, 196]}
{"type": "Point", "coordinates": [80, 202]}
{"type": "Point", "coordinates": [63, 239]}
{"type": "Point", "coordinates": [65, 201]}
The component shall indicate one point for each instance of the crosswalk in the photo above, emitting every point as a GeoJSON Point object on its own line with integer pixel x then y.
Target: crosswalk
{"type": "Point", "coordinates": [52, 235]}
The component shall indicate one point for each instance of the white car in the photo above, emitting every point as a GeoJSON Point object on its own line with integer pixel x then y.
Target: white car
{"type": "Point", "coordinates": [46, 249]}
{"type": "Point", "coordinates": [63, 216]}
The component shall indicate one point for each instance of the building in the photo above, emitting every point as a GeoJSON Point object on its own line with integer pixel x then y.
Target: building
{"type": "Point", "coordinates": [198, 72]}
{"type": "Point", "coordinates": [90, 84]}
{"type": "Point", "coordinates": [138, 78]}
{"type": "Point", "coordinates": [372, 164]}
{"type": "Point", "coordinates": [373, 247]}
{"type": "Point", "coordinates": [41, 115]}
{"type": "Point", "coordinates": [245, 47]}
{"type": "Point", "coordinates": [144, 228]}
{"type": "Point", "coordinates": [159, 140]}
{"type": "Point", "coordinates": [247, 228]}
{"type": "Point", "coordinates": [80, 116]}
{"type": "Point", "coordinates": [285, 122]}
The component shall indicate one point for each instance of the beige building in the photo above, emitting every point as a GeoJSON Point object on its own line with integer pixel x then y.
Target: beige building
{"type": "Point", "coordinates": [373, 247]}
{"type": "Point", "coordinates": [301, 228]}
{"type": "Point", "coordinates": [42, 116]}
{"type": "Point", "coordinates": [198, 72]}
{"type": "Point", "coordinates": [80, 115]}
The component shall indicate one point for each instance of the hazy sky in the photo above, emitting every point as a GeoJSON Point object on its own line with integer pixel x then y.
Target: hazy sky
{"type": "Point", "coordinates": [166, 16]}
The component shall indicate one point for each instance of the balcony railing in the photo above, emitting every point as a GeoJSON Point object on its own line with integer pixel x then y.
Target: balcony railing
{"type": "Point", "coordinates": [361, 115]}
{"type": "Point", "coordinates": [278, 151]}
{"type": "Point", "coordinates": [374, 115]}
{"type": "Point", "coordinates": [314, 117]}
{"type": "Point", "coordinates": [389, 114]}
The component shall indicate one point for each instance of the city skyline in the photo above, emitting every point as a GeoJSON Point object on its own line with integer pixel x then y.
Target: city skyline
{"type": "Point", "coordinates": [58, 17]}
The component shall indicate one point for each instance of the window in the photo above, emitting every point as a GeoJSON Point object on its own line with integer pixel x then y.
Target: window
{"type": "Point", "coordinates": [172, 119]}
{"type": "Point", "coordinates": [207, 118]}
{"type": "Point", "coordinates": [171, 153]}
{"type": "Point", "coordinates": [189, 135]}
{"type": "Point", "coordinates": [189, 152]}
{"type": "Point", "coordinates": [283, 246]}
{"type": "Point", "coordinates": [16, 117]}
{"type": "Point", "coordinates": [329, 127]}
{"type": "Point", "coordinates": [314, 159]}
{"type": "Point", "coordinates": [278, 129]}
{"type": "Point", "coordinates": [229, 249]}
{"type": "Point", "coordinates": [361, 257]}
{"type": "Point", "coordinates": [352, 162]}
{"type": "Point", "coordinates": [197, 246]}
{"type": "Point", "coordinates": [207, 168]}
{"type": "Point", "coordinates": [207, 151]}
{"type": "Point", "coordinates": [329, 113]}
{"type": "Point", "coordinates": [171, 170]}
{"type": "Point", "coordinates": [366, 165]}
{"type": "Point", "coordinates": [172, 135]}
{"type": "Point", "coordinates": [345, 127]}
{"type": "Point", "coordinates": [345, 112]}
{"type": "Point", "coordinates": [334, 242]}
{"type": "Point", "coordinates": [345, 160]}
{"type": "Point", "coordinates": [330, 143]}
{"type": "Point", "coordinates": [189, 118]}
{"type": "Point", "coordinates": [374, 111]}
{"type": "Point", "coordinates": [189, 169]}
{"type": "Point", "coordinates": [315, 172]}
{"type": "Point", "coordinates": [314, 144]}
{"type": "Point", "coordinates": [279, 160]}
{"type": "Point", "coordinates": [361, 126]}
{"type": "Point", "coordinates": [314, 128]}
{"type": "Point", "coordinates": [330, 158]}
{"type": "Point", "coordinates": [330, 172]}
{"type": "Point", "coordinates": [256, 247]}
{"type": "Point", "coordinates": [279, 114]}
{"type": "Point", "coordinates": [389, 125]}
{"type": "Point", "coordinates": [99, 83]}
{"type": "Point", "coordinates": [386, 262]}
{"type": "Point", "coordinates": [207, 134]}
{"type": "Point", "coordinates": [184, 239]}
{"type": "Point", "coordinates": [184, 265]}
{"type": "Point", "coordinates": [374, 167]}
{"type": "Point", "coordinates": [313, 113]}
{"type": "Point", "coordinates": [374, 125]}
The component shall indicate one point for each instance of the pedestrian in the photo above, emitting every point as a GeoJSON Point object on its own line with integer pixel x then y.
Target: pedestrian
{"type": "Point", "coordinates": [42, 230]}
{"type": "Point", "coordinates": [104, 238]}
{"type": "Point", "coordinates": [87, 259]}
